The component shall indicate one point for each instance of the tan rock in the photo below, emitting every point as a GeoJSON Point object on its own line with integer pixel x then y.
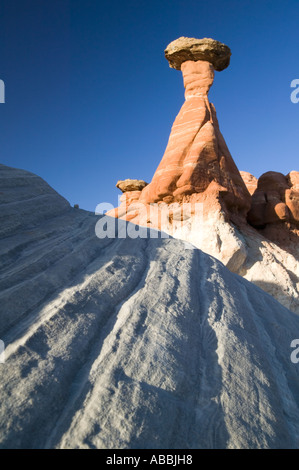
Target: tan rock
{"type": "Point", "coordinates": [292, 195]}
{"type": "Point", "coordinates": [276, 211]}
{"type": "Point", "coordinates": [293, 179]}
{"type": "Point", "coordinates": [250, 181]}
{"type": "Point", "coordinates": [292, 201]}
{"type": "Point", "coordinates": [206, 49]}
{"type": "Point", "coordinates": [131, 185]}
{"type": "Point", "coordinates": [272, 181]}
{"type": "Point", "coordinates": [275, 200]}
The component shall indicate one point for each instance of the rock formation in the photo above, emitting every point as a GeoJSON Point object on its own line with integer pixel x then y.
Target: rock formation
{"type": "Point", "coordinates": [196, 155]}
{"type": "Point", "coordinates": [239, 215]}
{"type": "Point", "coordinates": [197, 166]}
{"type": "Point", "coordinates": [184, 49]}
{"type": "Point", "coordinates": [132, 343]}
{"type": "Point", "coordinates": [131, 185]}
{"type": "Point", "coordinates": [250, 181]}
{"type": "Point", "coordinates": [275, 199]}
{"type": "Point", "coordinates": [275, 209]}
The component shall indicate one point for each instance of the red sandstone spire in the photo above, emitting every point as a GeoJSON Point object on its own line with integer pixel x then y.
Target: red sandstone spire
{"type": "Point", "coordinates": [196, 154]}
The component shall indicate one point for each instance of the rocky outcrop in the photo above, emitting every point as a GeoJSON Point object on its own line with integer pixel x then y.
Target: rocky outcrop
{"type": "Point", "coordinates": [121, 343]}
{"type": "Point", "coordinates": [196, 154]}
{"type": "Point", "coordinates": [269, 200]}
{"type": "Point", "coordinates": [274, 212]}
{"type": "Point", "coordinates": [292, 196]}
{"type": "Point", "coordinates": [131, 185]}
{"type": "Point", "coordinates": [184, 49]}
{"type": "Point", "coordinates": [250, 181]}
{"type": "Point", "coordinates": [275, 198]}
{"type": "Point", "coordinates": [197, 193]}
{"type": "Point", "coordinates": [197, 167]}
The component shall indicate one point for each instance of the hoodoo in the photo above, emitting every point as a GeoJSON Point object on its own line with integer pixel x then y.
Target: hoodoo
{"type": "Point", "coordinates": [250, 224]}
{"type": "Point", "coordinates": [197, 159]}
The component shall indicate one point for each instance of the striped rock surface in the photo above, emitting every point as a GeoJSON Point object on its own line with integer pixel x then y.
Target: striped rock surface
{"type": "Point", "coordinates": [133, 343]}
{"type": "Point", "coordinates": [196, 154]}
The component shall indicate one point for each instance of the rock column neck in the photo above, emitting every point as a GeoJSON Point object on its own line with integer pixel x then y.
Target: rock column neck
{"type": "Point", "coordinates": [198, 78]}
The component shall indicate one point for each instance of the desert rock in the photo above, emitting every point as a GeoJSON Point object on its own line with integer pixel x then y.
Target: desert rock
{"type": "Point", "coordinates": [196, 154]}
{"type": "Point", "coordinates": [184, 49]}
{"type": "Point", "coordinates": [197, 193]}
{"type": "Point", "coordinates": [131, 185]}
{"type": "Point", "coordinates": [250, 181]}
{"type": "Point", "coordinates": [121, 343]}
{"type": "Point", "coordinates": [276, 199]}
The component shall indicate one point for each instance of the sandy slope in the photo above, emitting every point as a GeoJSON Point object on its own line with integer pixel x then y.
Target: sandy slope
{"type": "Point", "coordinates": [122, 343]}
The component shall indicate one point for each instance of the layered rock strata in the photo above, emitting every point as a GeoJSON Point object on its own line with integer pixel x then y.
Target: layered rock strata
{"type": "Point", "coordinates": [197, 193]}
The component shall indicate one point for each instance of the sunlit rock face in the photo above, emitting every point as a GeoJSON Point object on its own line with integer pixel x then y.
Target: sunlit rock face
{"type": "Point", "coordinates": [197, 193]}
{"type": "Point", "coordinates": [275, 199]}
{"type": "Point", "coordinates": [196, 154]}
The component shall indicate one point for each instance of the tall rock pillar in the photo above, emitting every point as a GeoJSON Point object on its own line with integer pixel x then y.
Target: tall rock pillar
{"type": "Point", "coordinates": [196, 154]}
{"type": "Point", "coordinates": [197, 170]}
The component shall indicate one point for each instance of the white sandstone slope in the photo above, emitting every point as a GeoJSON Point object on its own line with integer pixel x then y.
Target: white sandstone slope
{"type": "Point", "coordinates": [132, 343]}
{"type": "Point", "coordinates": [248, 253]}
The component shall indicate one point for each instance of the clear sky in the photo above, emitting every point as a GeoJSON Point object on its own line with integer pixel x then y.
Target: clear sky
{"type": "Point", "coordinates": [90, 98]}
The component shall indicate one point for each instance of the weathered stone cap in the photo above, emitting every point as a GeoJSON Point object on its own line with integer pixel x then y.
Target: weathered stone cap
{"type": "Point", "coordinates": [208, 49]}
{"type": "Point", "coordinates": [131, 185]}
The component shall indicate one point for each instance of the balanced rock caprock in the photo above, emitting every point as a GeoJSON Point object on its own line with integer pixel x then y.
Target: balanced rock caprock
{"type": "Point", "coordinates": [131, 185]}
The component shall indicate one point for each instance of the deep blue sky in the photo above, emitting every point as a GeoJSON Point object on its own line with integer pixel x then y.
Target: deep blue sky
{"type": "Point", "coordinates": [90, 98]}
